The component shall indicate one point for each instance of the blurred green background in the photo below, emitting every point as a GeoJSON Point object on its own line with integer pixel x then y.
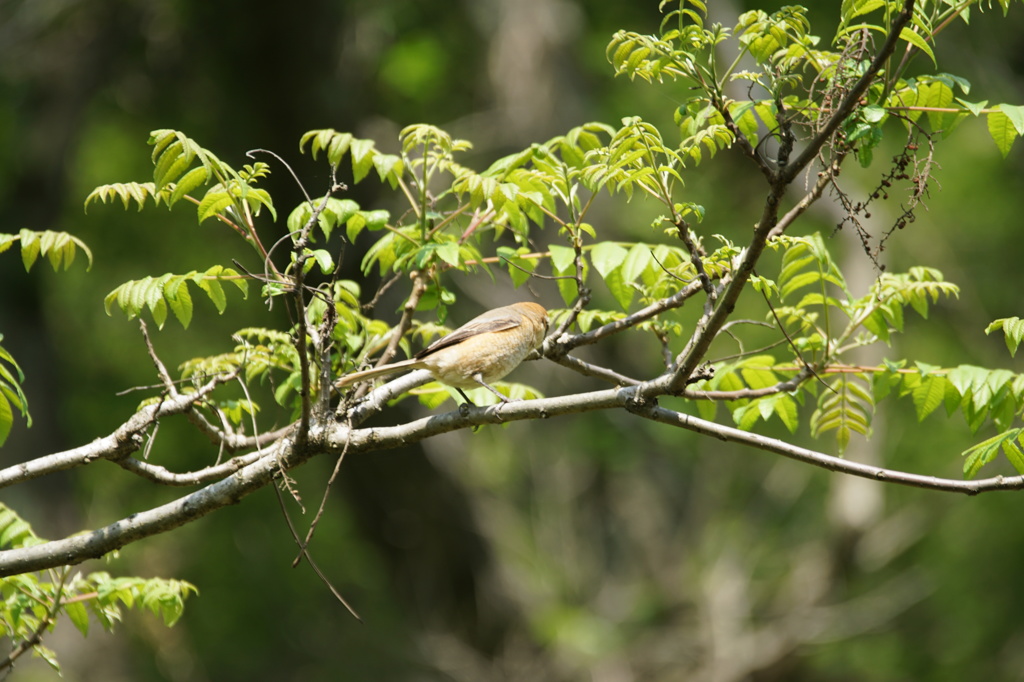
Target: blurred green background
{"type": "Point", "coordinates": [586, 548]}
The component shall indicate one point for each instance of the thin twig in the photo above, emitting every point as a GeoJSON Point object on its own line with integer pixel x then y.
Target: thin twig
{"type": "Point", "coordinates": [676, 300]}
{"type": "Point", "coordinates": [824, 178]}
{"type": "Point", "coordinates": [591, 370]}
{"type": "Point", "coordinates": [792, 345]}
{"type": "Point", "coordinates": [323, 504]}
{"type": "Point", "coordinates": [305, 552]}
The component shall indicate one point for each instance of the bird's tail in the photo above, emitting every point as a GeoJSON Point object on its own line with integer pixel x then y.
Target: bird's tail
{"type": "Point", "coordinates": [391, 368]}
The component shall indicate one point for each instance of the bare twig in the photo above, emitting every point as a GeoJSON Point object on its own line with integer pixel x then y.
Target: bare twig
{"type": "Point", "coordinates": [824, 178]}
{"type": "Point", "coordinates": [676, 300]}
{"type": "Point", "coordinates": [159, 474]}
{"type": "Point", "coordinates": [161, 369]}
{"type": "Point", "coordinates": [592, 370]}
{"type": "Point", "coordinates": [323, 505]}
{"type": "Point", "coordinates": [305, 552]}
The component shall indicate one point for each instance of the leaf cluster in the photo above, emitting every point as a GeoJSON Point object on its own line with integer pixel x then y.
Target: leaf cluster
{"type": "Point", "coordinates": [32, 603]}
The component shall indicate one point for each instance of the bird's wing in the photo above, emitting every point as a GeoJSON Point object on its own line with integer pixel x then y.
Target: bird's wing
{"type": "Point", "coordinates": [481, 325]}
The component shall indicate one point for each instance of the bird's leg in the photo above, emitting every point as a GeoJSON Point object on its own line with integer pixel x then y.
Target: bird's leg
{"type": "Point", "coordinates": [502, 397]}
{"type": "Point", "coordinates": [464, 407]}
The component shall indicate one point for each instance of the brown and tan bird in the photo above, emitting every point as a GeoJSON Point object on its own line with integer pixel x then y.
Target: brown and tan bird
{"type": "Point", "coordinates": [479, 352]}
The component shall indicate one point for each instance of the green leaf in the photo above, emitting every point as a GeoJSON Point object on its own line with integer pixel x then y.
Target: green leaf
{"type": "Point", "coordinates": [6, 418]}
{"type": "Point", "coordinates": [362, 152]}
{"type": "Point", "coordinates": [937, 95]}
{"type": "Point", "coordinates": [354, 225]}
{"type": "Point", "coordinates": [214, 290]}
{"type": "Point", "coordinates": [376, 220]}
{"type": "Point", "coordinates": [382, 252]}
{"type": "Point", "coordinates": [607, 256]}
{"type": "Point", "coordinates": [786, 409]}
{"type": "Point", "coordinates": [194, 178]}
{"type": "Point", "coordinates": [1016, 116]}
{"type": "Point", "coordinates": [759, 377]}
{"type": "Point", "coordinates": [29, 248]}
{"type": "Point", "coordinates": [449, 253]}
{"type": "Point", "coordinates": [49, 656]}
{"type": "Point", "coordinates": [984, 452]}
{"type": "Point", "coordinates": [389, 167]}
{"type": "Point", "coordinates": [59, 248]}
{"type": "Point", "coordinates": [622, 290]}
{"type": "Point", "coordinates": [433, 395]}
{"type": "Point", "coordinates": [798, 282]}
{"type": "Point", "coordinates": [1002, 130]}
{"type": "Point", "coordinates": [1014, 454]}
{"type": "Point", "coordinates": [519, 268]}
{"type": "Point", "coordinates": [637, 260]}
{"type": "Point", "coordinates": [172, 162]}
{"type": "Point", "coordinates": [562, 258]}
{"type": "Point", "coordinates": [213, 204]}
{"type": "Point", "coordinates": [975, 108]}
{"type": "Point", "coordinates": [180, 301]}
{"type": "Point", "coordinates": [915, 39]}
{"type": "Point", "coordinates": [79, 616]}
{"type": "Point", "coordinates": [1013, 331]}
{"type": "Point", "coordinates": [966, 378]}
{"type": "Point", "coordinates": [707, 409]}
{"type": "Point", "coordinates": [324, 260]}
{"type": "Point", "coordinates": [15, 532]}
{"type": "Point", "coordinates": [126, 192]}
{"type": "Point", "coordinates": [928, 395]}
{"type": "Point", "coordinates": [845, 409]}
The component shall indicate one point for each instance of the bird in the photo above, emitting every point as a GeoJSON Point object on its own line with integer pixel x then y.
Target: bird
{"type": "Point", "coordinates": [478, 353]}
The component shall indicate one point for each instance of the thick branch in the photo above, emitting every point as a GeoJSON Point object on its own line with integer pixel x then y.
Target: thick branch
{"type": "Point", "coordinates": [338, 437]}
{"type": "Point", "coordinates": [283, 455]}
{"type": "Point", "coordinates": [94, 544]}
{"type": "Point", "coordinates": [377, 399]}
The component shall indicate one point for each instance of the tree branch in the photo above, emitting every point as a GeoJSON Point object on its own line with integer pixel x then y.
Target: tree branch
{"type": "Point", "coordinates": [820, 459]}
{"type": "Point", "coordinates": [94, 544]}
{"type": "Point", "coordinates": [824, 178]}
{"type": "Point", "coordinates": [333, 439]}
{"type": "Point", "coordinates": [159, 474]}
{"type": "Point", "coordinates": [709, 325]}
{"type": "Point", "coordinates": [781, 387]}
{"type": "Point", "coordinates": [591, 370]}
{"type": "Point", "coordinates": [125, 440]}
{"type": "Point", "coordinates": [676, 300]}
{"type": "Point", "coordinates": [852, 99]}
